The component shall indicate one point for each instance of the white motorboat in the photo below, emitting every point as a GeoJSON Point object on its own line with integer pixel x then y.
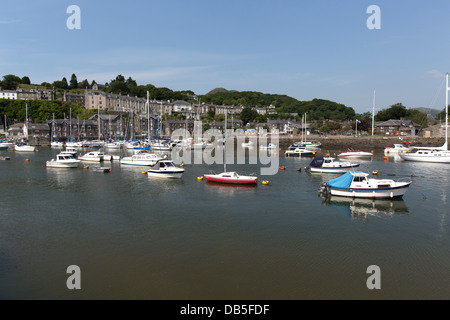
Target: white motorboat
{"type": "Point", "coordinates": [63, 161]}
{"type": "Point", "coordinates": [298, 152]}
{"type": "Point", "coordinates": [93, 156]}
{"type": "Point", "coordinates": [358, 185]}
{"type": "Point", "coordinates": [142, 158]}
{"type": "Point", "coordinates": [330, 165]}
{"type": "Point", "coordinates": [57, 144]}
{"type": "Point", "coordinates": [397, 149]}
{"type": "Point", "coordinates": [350, 153]}
{"type": "Point", "coordinates": [161, 146]}
{"type": "Point", "coordinates": [24, 147]}
{"type": "Point", "coordinates": [74, 144]}
{"type": "Point", "coordinates": [115, 145]}
{"type": "Point", "coordinates": [165, 169]}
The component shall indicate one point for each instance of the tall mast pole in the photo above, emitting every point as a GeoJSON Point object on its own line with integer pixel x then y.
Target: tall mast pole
{"type": "Point", "coordinates": [373, 113]}
{"type": "Point", "coordinates": [446, 111]}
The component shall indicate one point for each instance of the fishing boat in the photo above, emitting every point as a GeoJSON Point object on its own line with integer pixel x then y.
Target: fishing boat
{"type": "Point", "coordinates": [330, 165]}
{"type": "Point", "coordinates": [397, 149]}
{"type": "Point", "coordinates": [63, 161]}
{"type": "Point", "coordinates": [165, 169]}
{"type": "Point", "coordinates": [294, 151]}
{"type": "Point", "coordinates": [230, 177]}
{"type": "Point", "coordinates": [142, 158]}
{"type": "Point", "coordinates": [350, 153]}
{"type": "Point", "coordinates": [2, 158]}
{"type": "Point", "coordinates": [433, 154]}
{"type": "Point", "coordinates": [359, 185]}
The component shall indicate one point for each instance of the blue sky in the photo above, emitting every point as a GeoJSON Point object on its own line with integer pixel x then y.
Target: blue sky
{"type": "Point", "coordinates": [304, 49]}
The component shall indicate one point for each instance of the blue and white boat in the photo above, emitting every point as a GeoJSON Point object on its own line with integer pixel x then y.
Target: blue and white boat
{"type": "Point", "coordinates": [330, 165]}
{"type": "Point", "coordinates": [4, 144]}
{"type": "Point", "coordinates": [359, 185]}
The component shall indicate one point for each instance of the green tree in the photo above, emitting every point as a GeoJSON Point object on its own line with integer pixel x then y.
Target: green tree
{"type": "Point", "coordinates": [248, 115]}
{"type": "Point", "coordinates": [25, 80]}
{"type": "Point", "coordinates": [395, 112]}
{"type": "Point", "coordinates": [73, 82]}
{"type": "Point", "coordinates": [10, 82]}
{"type": "Point", "coordinates": [84, 84]}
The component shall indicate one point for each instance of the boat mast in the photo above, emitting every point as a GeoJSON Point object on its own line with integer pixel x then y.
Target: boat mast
{"type": "Point", "coordinates": [26, 120]}
{"type": "Point", "coordinates": [224, 153]}
{"type": "Point", "coordinates": [98, 123]}
{"type": "Point", "coordinates": [148, 117]}
{"type": "Point", "coordinates": [373, 113]}
{"type": "Point", "coordinates": [446, 111]}
{"type": "Point", "coordinates": [70, 123]}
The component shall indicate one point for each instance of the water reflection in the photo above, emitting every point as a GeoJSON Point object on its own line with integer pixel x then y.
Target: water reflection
{"type": "Point", "coordinates": [230, 189]}
{"type": "Point", "coordinates": [359, 208]}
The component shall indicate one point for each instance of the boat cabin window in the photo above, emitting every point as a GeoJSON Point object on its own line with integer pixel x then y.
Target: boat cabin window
{"type": "Point", "coordinates": [359, 179]}
{"type": "Point", "coordinates": [327, 161]}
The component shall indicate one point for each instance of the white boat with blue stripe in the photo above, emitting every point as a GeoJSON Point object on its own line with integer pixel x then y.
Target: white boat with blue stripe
{"type": "Point", "coordinates": [359, 185]}
{"type": "Point", "coordinates": [330, 165]}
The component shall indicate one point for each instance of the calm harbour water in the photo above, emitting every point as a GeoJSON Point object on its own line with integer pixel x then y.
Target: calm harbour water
{"type": "Point", "coordinates": [136, 237]}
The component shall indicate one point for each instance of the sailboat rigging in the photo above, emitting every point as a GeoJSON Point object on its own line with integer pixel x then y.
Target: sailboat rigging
{"type": "Point", "coordinates": [230, 177]}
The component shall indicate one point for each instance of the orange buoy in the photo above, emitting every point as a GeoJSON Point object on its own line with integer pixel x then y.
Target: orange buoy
{"type": "Point", "coordinates": [282, 168]}
{"type": "Point", "coordinates": [27, 160]}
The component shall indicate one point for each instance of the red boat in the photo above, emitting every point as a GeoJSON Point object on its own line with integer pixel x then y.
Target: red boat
{"type": "Point", "coordinates": [231, 178]}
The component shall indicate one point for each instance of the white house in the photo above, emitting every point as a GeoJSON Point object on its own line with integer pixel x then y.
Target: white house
{"type": "Point", "coordinates": [8, 94]}
{"type": "Point", "coordinates": [181, 105]}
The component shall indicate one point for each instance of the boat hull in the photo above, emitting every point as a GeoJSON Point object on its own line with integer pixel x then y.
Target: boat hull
{"type": "Point", "coordinates": [395, 192]}
{"type": "Point", "coordinates": [169, 174]}
{"type": "Point", "coordinates": [138, 163]}
{"type": "Point", "coordinates": [25, 148]}
{"type": "Point", "coordinates": [443, 158]}
{"type": "Point", "coordinates": [212, 178]}
{"type": "Point", "coordinates": [332, 169]}
{"type": "Point", "coordinates": [356, 155]}
{"type": "Point", "coordinates": [56, 164]}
